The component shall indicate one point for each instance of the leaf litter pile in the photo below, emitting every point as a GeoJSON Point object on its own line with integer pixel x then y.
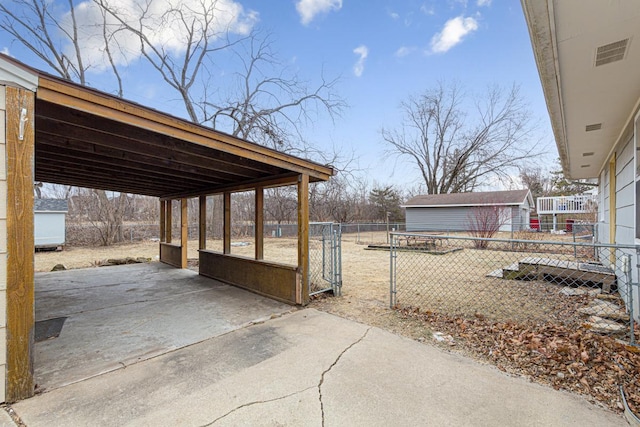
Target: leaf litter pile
{"type": "Point", "coordinates": [567, 358]}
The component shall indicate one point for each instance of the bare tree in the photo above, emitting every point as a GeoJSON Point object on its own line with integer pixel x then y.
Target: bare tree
{"type": "Point", "coordinates": [271, 105]}
{"type": "Point", "coordinates": [454, 150]}
{"type": "Point", "coordinates": [536, 180]}
{"type": "Point", "coordinates": [265, 102]}
{"type": "Point", "coordinates": [56, 35]}
{"type": "Point", "coordinates": [485, 222]}
{"type": "Point", "coordinates": [333, 201]}
{"type": "Point", "coordinates": [101, 212]}
{"type": "Point", "coordinates": [198, 30]}
{"type": "Point", "coordinates": [280, 204]}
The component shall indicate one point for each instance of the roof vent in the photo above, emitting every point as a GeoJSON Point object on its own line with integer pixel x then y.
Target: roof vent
{"type": "Point", "coordinates": [585, 166]}
{"type": "Point", "coordinates": [592, 127]}
{"type": "Point", "coordinates": [587, 154]}
{"type": "Point", "coordinates": [611, 52]}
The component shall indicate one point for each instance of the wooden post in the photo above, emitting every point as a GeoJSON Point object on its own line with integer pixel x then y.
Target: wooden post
{"type": "Point", "coordinates": [302, 294]}
{"type": "Point", "coordinates": [163, 219]}
{"type": "Point", "coordinates": [169, 221]}
{"type": "Point", "coordinates": [226, 239]}
{"type": "Point", "coordinates": [184, 231]}
{"type": "Point", "coordinates": [612, 200]}
{"type": "Point", "coordinates": [202, 229]}
{"type": "Point", "coordinates": [612, 209]}
{"type": "Point", "coordinates": [20, 140]}
{"type": "Point", "coordinates": [259, 223]}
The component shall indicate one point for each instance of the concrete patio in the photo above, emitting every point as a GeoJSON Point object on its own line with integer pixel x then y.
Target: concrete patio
{"type": "Point", "coordinates": [121, 315]}
{"type": "Point", "coordinates": [148, 345]}
{"type": "Point", "coordinates": [309, 368]}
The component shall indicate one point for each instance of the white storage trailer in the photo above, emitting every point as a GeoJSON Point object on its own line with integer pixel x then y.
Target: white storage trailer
{"type": "Point", "coordinates": [49, 222]}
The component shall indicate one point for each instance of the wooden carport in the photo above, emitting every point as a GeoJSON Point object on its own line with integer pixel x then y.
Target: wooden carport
{"type": "Point", "coordinates": [61, 132]}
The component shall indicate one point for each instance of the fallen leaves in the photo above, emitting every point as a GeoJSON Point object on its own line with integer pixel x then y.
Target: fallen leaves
{"type": "Point", "coordinates": [568, 358]}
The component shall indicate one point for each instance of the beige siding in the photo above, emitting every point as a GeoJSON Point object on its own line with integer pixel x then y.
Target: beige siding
{"type": "Point", "coordinates": [3, 246]}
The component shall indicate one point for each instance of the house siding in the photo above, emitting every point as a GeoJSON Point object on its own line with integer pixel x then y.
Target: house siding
{"type": "Point", "coordinates": [519, 218]}
{"type": "Point", "coordinates": [3, 244]}
{"type": "Point", "coordinates": [625, 205]}
{"type": "Point", "coordinates": [625, 194]}
{"type": "Point", "coordinates": [454, 218]}
{"type": "Point", "coordinates": [438, 218]}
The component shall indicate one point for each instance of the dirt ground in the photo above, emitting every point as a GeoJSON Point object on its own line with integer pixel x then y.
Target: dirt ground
{"type": "Point", "coordinates": [365, 298]}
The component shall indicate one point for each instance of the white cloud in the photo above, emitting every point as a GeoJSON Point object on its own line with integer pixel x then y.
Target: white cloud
{"type": "Point", "coordinates": [482, 3]}
{"type": "Point", "coordinates": [429, 11]}
{"type": "Point", "coordinates": [162, 27]}
{"type": "Point", "coordinates": [362, 52]}
{"type": "Point", "coordinates": [454, 31]}
{"type": "Point", "coordinates": [309, 9]}
{"type": "Point", "coordinates": [5, 50]}
{"type": "Point", "coordinates": [394, 15]}
{"type": "Point", "coordinates": [404, 51]}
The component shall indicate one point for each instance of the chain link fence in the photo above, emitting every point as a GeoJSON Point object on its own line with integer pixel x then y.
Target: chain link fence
{"type": "Point", "coordinates": [371, 232]}
{"type": "Point", "coordinates": [325, 258]}
{"type": "Point", "coordinates": [582, 285]}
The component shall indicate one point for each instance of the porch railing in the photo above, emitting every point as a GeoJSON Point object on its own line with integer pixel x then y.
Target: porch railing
{"type": "Point", "coordinates": [566, 204]}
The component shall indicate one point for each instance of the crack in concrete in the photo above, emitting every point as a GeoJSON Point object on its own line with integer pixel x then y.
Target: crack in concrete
{"type": "Point", "coordinates": [257, 402]}
{"type": "Point", "coordinates": [335, 362]}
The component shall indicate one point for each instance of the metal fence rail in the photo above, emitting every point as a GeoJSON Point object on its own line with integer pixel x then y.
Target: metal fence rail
{"type": "Point", "coordinates": [586, 285]}
{"type": "Point", "coordinates": [325, 258]}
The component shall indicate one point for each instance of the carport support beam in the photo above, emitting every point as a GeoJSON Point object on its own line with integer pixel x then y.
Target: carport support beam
{"type": "Point", "coordinates": [302, 291]}
{"type": "Point", "coordinates": [259, 223]}
{"type": "Point", "coordinates": [20, 142]}
{"type": "Point", "coordinates": [163, 221]}
{"type": "Point", "coordinates": [226, 240]}
{"type": "Point", "coordinates": [202, 229]}
{"type": "Point", "coordinates": [169, 226]}
{"type": "Point", "coordinates": [184, 231]}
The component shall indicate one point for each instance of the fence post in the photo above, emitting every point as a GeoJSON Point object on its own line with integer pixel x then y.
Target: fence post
{"type": "Point", "coordinates": [631, 284]}
{"type": "Point", "coordinates": [392, 271]}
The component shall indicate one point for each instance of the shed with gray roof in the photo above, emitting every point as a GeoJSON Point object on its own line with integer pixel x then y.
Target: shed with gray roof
{"type": "Point", "coordinates": [454, 212]}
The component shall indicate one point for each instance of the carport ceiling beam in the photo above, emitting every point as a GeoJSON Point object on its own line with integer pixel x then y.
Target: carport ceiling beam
{"type": "Point", "coordinates": [62, 93]}
{"type": "Point", "coordinates": [276, 181]}
{"type": "Point", "coordinates": [128, 168]}
{"type": "Point", "coordinates": [138, 141]}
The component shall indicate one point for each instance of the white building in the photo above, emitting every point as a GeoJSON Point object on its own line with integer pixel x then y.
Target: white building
{"type": "Point", "coordinates": [455, 212]}
{"type": "Point", "coordinates": [49, 220]}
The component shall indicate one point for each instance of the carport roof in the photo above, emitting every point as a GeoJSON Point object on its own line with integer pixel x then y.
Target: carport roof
{"type": "Point", "coordinates": [92, 139]}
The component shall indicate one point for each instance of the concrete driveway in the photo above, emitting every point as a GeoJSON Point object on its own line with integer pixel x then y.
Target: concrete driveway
{"type": "Point", "coordinates": [309, 368]}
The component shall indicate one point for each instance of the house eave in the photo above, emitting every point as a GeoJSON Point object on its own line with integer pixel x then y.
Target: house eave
{"type": "Point", "coordinates": [540, 19]}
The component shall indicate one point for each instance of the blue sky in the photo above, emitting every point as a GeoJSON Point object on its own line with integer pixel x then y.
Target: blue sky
{"type": "Point", "coordinates": [383, 51]}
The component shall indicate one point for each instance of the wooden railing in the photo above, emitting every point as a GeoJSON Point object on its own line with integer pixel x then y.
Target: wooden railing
{"type": "Point", "coordinates": [566, 204]}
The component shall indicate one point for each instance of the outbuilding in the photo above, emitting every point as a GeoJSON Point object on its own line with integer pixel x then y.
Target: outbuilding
{"type": "Point", "coordinates": [456, 212]}
{"type": "Point", "coordinates": [49, 221]}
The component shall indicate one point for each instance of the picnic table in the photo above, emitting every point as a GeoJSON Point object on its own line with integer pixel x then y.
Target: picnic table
{"type": "Point", "coordinates": [430, 241]}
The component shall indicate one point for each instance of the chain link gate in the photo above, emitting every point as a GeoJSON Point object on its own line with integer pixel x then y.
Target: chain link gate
{"type": "Point", "coordinates": [325, 258]}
